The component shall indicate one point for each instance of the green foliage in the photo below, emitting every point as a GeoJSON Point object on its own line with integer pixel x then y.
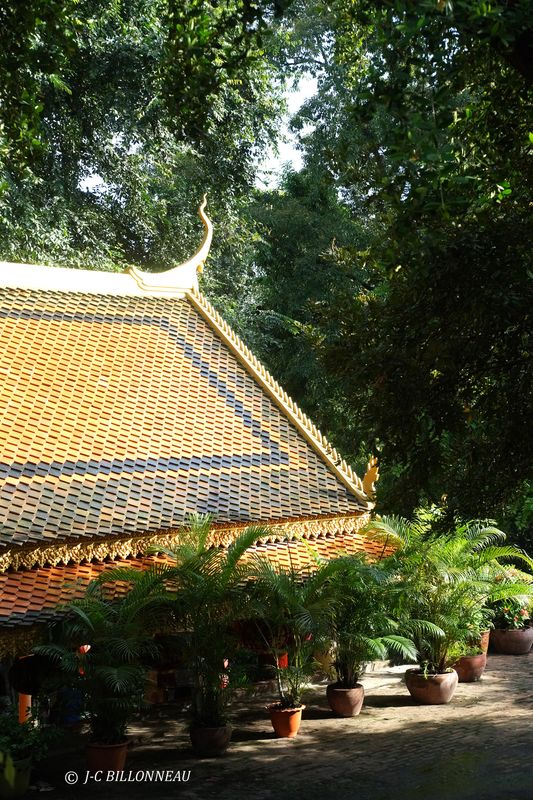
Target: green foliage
{"type": "Point", "coordinates": [293, 612]}
{"type": "Point", "coordinates": [519, 516]}
{"type": "Point", "coordinates": [443, 584]}
{"type": "Point", "coordinates": [513, 609]}
{"type": "Point", "coordinates": [443, 85]}
{"type": "Point", "coordinates": [362, 627]}
{"type": "Point", "coordinates": [111, 675]}
{"type": "Point", "coordinates": [214, 64]}
{"type": "Point", "coordinates": [438, 374]}
{"type": "Point", "coordinates": [38, 37]}
{"type": "Point", "coordinates": [511, 614]}
{"type": "Point", "coordinates": [210, 598]}
{"type": "Point", "coordinates": [115, 177]}
{"type": "Point", "coordinates": [422, 122]}
{"type": "Point", "coordinates": [201, 596]}
{"type": "Point", "coordinates": [24, 740]}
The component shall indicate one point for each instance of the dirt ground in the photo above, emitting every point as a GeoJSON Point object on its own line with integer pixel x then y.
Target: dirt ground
{"type": "Point", "coordinates": [479, 747]}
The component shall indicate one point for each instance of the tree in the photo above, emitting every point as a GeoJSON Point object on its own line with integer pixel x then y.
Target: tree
{"type": "Point", "coordinates": [299, 267]}
{"type": "Point", "coordinates": [422, 122]}
{"type": "Point", "coordinates": [105, 167]}
{"type": "Point", "coordinates": [37, 39]}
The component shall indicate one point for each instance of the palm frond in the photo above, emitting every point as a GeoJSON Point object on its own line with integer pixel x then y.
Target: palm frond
{"type": "Point", "coordinates": [400, 646]}
{"type": "Point", "coordinates": [240, 545]}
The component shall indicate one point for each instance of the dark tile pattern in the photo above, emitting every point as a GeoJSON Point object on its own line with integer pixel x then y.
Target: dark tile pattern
{"type": "Point", "coordinates": [124, 414]}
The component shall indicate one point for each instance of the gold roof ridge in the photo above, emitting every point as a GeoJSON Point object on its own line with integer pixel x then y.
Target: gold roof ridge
{"type": "Point", "coordinates": [184, 275]}
{"type": "Point", "coordinates": [174, 282]}
{"type": "Point", "coordinates": [289, 407]}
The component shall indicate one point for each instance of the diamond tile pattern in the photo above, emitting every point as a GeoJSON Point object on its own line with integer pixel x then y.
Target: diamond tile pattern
{"type": "Point", "coordinates": [31, 596]}
{"type": "Point", "coordinates": [125, 414]}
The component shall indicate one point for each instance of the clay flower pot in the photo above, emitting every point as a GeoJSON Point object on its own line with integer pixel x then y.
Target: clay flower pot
{"type": "Point", "coordinates": [106, 756]}
{"type": "Point", "coordinates": [484, 642]}
{"type": "Point", "coordinates": [285, 721]}
{"type": "Point", "coordinates": [433, 690]}
{"type": "Point", "coordinates": [470, 668]}
{"type": "Point", "coordinates": [512, 642]}
{"type": "Point", "coordinates": [345, 702]}
{"type": "Point", "coordinates": [210, 742]}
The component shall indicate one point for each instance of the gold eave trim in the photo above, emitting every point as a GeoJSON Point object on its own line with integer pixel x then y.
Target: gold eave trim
{"type": "Point", "coordinates": [301, 421]}
{"type": "Point", "coordinates": [124, 547]}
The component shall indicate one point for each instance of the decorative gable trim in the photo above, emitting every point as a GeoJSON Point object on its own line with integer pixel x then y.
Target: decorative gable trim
{"type": "Point", "coordinates": [140, 544]}
{"type": "Point", "coordinates": [301, 421]}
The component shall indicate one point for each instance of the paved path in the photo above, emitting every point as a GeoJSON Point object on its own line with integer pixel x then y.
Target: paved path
{"type": "Point", "coordinates": [479, 747]}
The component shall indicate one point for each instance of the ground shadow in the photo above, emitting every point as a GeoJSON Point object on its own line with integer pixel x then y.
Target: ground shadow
{"type": "Point", "coordinates": [389, 700]}
{"type": "Point", "coordinates": [442, 761]}
{"type": "Point", "coordinates": [246, 735]}
{"type": "Point", "coordinates": [477, 752]}
{"type": "Point", "coordinates": [316, 712]}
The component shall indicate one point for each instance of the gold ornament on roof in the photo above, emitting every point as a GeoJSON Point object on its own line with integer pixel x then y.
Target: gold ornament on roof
{"type": "Point", "coordinates": [184, 277]}
{"type": "Point", "coordinates": [371, 477]}
{"type": "Point", "coordinates": [61, 553]}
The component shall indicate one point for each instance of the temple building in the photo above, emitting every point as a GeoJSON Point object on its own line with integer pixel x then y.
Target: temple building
{"type": "Point", "coordinates": [126, 404]}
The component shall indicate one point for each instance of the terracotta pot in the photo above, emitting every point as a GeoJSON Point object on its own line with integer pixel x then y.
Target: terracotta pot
{"type": "Point", "coordinates": [470, 668]}
{"type": "Point", "coordinates": [285, 721]}
{"type": "Point", "coordinates": [106, 756]}
{"type": "Point", "coordinates": [345, 702]}
{"type": "Point", "coordinates": [14, 776]}
{"type": "Point", "coordinates": [210, 742]}
{"type": "Point", "coordinates": [512, 642]}
{"type": "Point", "coordinates": [484, 642]}
{"type": "Point", "coordinates": [433, 690]}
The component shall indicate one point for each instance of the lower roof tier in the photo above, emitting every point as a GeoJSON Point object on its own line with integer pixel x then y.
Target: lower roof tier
{"type": "Point", "coordinates": [34, 595]}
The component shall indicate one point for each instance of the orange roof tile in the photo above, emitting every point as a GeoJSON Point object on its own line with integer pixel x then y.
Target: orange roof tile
{"type": "Point", "coordinates": [32, 596]}
{"type": "Point", "coordinates": [126, 404]}
{"type": "Point", "coordinates": [124, 413]}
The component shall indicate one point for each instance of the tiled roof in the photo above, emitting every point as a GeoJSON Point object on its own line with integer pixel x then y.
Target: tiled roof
{"type": "Point", "coordinates": [300, 554]}
{"type": "Point", "coordinates": [123, 411]}
{"type": "Point", "coordinates": [32, 596]}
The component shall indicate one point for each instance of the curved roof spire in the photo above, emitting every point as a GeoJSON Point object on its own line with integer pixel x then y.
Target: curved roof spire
{"type": "Point", "coordinates": [184, 277]}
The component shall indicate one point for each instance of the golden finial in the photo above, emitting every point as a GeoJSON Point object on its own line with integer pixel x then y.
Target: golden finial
{"type": "Point", "coordinates": [371, 477]}
{"type": "Point", "coordinates": [184, 277]}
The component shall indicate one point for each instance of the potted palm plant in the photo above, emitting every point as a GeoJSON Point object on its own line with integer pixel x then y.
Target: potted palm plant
{"type": "Point", "coordinates": [470, 649]}
{"type": "Point", "coordinates": [293, 614]}
{"type": "Point", "coordinates": [210, 597]}
{"type": "Point", "coordinates": [442, 579]}
{"type": "Point", "coordinates": [101, 648]}
{"type": "Point", "coordinates": [201, 594]}
{"type": "Point", "coordinates": [362, 630]}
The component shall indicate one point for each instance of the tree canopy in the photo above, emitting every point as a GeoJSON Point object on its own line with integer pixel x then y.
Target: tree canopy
{"type": "Point", "coordinates": [388, 283]}
{"type": "Point", "coordinates": [103, 152]}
